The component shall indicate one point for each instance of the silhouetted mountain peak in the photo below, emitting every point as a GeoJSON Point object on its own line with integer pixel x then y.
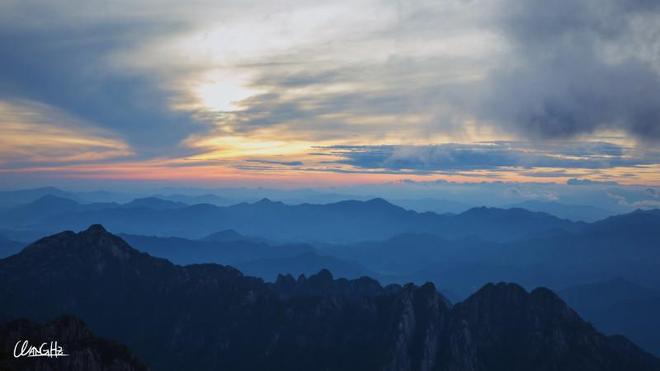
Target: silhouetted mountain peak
{"type": "Point", "coordinates": [155, 203]}
{"type": "Point", "coordinates": [509, 293]}
{"type": "Point", "coordinates": [379, 201]}
{"type": "Point", "coordinates": [95, 229]}
{"type": "Point", "coordinates": [268, 202]}
{"type": "Point", "coordinates": [506, 303]}
{"type": "Point", "coordinates": [227, 235]}
{"type": "Point", "coordinates": [323, 275]}
{"type": "Point", "coordinates": [285, 280]}
{"type": "Point", "coordinates": [323, 284]}
{"type": "Point", "coordinates": [373, 205]}
{"type": "Point", "coordinates": [502, 321]}
{"type": "Point", "coordinates": [178, 313]}
{"type": "Point", "coordinates": [630, 223]}
{"type": "Point", "coordinates": [94, 242]}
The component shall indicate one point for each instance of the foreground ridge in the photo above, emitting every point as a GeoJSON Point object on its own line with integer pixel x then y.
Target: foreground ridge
{"type": "Point", "coordinates": [209, 316]}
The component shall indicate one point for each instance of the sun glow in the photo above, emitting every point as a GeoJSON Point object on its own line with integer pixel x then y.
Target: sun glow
{"type": "Point", "coordinates": [221, 90]}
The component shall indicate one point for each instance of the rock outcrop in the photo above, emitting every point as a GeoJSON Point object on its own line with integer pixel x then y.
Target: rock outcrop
{"type": "Point", "coordinates": [212, 317]}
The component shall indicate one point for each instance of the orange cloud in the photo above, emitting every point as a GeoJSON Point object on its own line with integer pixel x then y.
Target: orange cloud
{"type": "Point", "coordinates": [36, 133]}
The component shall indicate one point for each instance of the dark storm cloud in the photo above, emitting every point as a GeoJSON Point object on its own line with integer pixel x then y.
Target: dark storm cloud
{"type": "Point", "coordinates": [489, 156]}
{"type": "Point", "coordinates": [572, 70]}
{"type": "Point", "coordinates": [569, 68]}
{"type": "Point", "coordinates": [67, 66]}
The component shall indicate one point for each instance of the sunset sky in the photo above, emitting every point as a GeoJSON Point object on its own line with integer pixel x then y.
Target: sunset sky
{"type": "Point", "coordinates": [304, 92]}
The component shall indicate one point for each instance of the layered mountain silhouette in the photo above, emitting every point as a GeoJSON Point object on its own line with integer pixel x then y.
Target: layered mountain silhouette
{"type": "Point", "coordinates": [566, 211]}
{"type": "Point", "coordinates": [9, 247]}
{"type": "Point", "coordinates": [154, 203]}
{"type": "Point", "coordinates": [209, 317]}
{"type": "Point", "coordinates": [83, 350]}
{"type": "Point", "coordinates": [228, 235]}
{"type": "Point", "coordinates": [15, 198]}
{"type": "Point", "coordinates": [252, 256]}
{"type": "Point", "coordinates": [232, 252]}
{"type": "Point", "coordinates": [340, 222]}
{"type": "Point", "coordinates": [621, 246]}
{"type": "Point", "coordinates": [619, 306]}
{"type": "Point", "coordinates": [305, 264]}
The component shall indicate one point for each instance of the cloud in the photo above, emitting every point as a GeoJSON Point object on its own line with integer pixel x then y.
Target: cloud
{"type": "Point", "coordinates": [227, 79]}
{"type": "Point", "coordinates": [71, 66]}
{"type": "Point", "coordinates": [273, 162]}
{"type": "Point", "coordinates": [453, 157]}
{"type": "Point", "coordinates": [577, 67]}
{"type": "Point", "coordinates": [581, 182]}
{"type": "Point", "coordinates": [34, 134]}
{"type": "Point", "coordinates": [532, 70]}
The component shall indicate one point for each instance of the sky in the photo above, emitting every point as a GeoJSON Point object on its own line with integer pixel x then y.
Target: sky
{"type": "Point", "coordinates": [309, 93]}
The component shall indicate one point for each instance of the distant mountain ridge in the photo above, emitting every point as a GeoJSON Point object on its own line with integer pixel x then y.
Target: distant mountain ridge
{"type": "Point", "coordinates": [10, 199]}
{"type": "Point", "coordinates": [228, 235]}
{"type": "Point", "coordinates": [207, 316]}
{"type": "Point", "coordinates": [566, 211]}
{"type": "Point", "coordinates": [154, 203]}
{"type": "Point", "coordinates": [254, 257]}
{"type": "Point", "coordinates": [340, 222]}
{"type": "Point", "coordinates": [620, 246]}
{"type": "Point", "coordinates": [618, 306]}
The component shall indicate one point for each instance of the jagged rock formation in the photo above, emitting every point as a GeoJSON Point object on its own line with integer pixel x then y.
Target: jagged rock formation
{"type": "Point", "coordinates": [209, 317]}
{"type": "Point", "coordinates": [84, 351]}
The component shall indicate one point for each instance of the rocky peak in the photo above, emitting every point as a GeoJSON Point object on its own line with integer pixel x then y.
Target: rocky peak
{"type": "Point", "coordinates": [94, 252]}
{"type": "Point", "coordinates": [207, 317]}
{"type": "Point", "coordinates": [95, 229]}
{"type": "Point", "coordinates": [323, 284]}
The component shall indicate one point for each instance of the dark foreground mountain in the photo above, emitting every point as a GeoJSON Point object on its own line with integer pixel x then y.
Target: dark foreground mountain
{"type": "Point", "coordinates": [84, 351]}
{"type": "Point", "coordinates": [211, 317]}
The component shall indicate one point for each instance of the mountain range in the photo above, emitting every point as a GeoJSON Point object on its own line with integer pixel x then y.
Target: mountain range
{"type": "Point", "coordinates": [620, 246]}
{"type": "Point", "coordinates": [209, 316]}
{"type": "Point", "coordinates": [618, 306]}
{"type": "Point", "coordinates": [9, 247]}
{"type": "Point", "coordinates": [253, 256]}
{"type": "Point", "coordinates": [340, 222]}
{"type": "Point", "coordinates": [586, 213]}
{"type": "Point", "coordinates": [459, 253]}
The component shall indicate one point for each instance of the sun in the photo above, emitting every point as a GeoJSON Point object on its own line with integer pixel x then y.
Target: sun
{"type": "Point", "coordinates": [222, 91]}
